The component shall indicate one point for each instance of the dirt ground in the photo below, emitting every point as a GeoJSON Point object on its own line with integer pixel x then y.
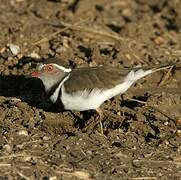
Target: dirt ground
{"type": "Point", "coordinates": [142, 130]}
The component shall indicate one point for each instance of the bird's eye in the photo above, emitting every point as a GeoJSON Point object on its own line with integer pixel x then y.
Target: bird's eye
{"type": "Point", "coordinates": [48, 68]}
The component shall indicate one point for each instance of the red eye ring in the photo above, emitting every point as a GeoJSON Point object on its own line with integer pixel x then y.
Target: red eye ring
{"type": "Point", "coordinates": [48, 68]}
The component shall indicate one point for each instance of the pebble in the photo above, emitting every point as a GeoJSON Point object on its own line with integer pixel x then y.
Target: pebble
{"type": "Point", "coordinates": [127, 12]}
{"type": "Point", "coordinates": [81, 175]}
{"type": "Point", "coordinates": [178, 132]}
{"type": "Point", "coordinates": [15, 49]}
{"type": "Point", "coordinates": [89, 152]}
{"type": "Point", "coordinates": [159, 40]}
{"type": "Point", "coordinates": [178, 121]}
{"type": "Point", "coordinates": [23, 133]}
{"type": "Point", "coordinates": [46, 138]}
{"type": "Point", "coordinates": [166, 123]}
{"type": "Point", "coordinates": [34, 55]}
{"type": "Point", "coordinates": [53, 178]}
{"type": "Point", "coordinates": [119, 113]}
{"type": "Point", "coordinates": [27, 158]}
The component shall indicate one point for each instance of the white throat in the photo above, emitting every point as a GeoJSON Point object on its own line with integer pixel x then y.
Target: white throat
{"type": "Point", "coordinates": [54, 96]}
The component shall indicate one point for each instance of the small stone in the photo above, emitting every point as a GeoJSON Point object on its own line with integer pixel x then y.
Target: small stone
{"type": "Point", "coordinates": [45, 138]}
{"type": "Point", "coordinates": [178, 121]}
{"type": "Point", "coordinates": [89, 152]}
{"type": "Point", "coordinates": [53, 178]}
{"type": "Point", "coordinates": [127, 13]}
{"type": "Point", "coordinates": [167, 142]}
{"type": "Point", "coordinates": [166, 123]}
{"type": "Point", "coordinates": [27, 158]}
{"type": "Point", "coordinates": [81, 175]}
{"type": "Point", "coordinates": [23, 133]}
{"type": "Point", "coordinates": [159, 40]}
{"type": "Point", "coordinates": [15, 49]}
{"type": "Point", "coordinates": [119, 113]}
{"type": "Point", "coordinates": [34, 55]}
{"type": "Point", "coordinates": [178, 132]}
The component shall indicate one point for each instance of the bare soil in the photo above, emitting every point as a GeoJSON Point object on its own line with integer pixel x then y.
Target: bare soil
{"type": "Point", "coordinates": [142, 137]}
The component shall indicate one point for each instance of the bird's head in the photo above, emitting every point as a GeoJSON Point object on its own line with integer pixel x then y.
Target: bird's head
{"type": "Point", "coordinates": [50, 74]}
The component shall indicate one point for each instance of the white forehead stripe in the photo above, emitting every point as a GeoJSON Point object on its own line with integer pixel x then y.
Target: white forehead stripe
{"type": "Point", "coordinates": [63, 68]}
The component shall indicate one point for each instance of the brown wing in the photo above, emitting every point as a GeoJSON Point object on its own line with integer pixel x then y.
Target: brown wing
{"type": "Point", "coordinates": [102, 77]}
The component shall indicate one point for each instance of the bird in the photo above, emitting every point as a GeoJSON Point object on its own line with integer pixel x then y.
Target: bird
{"type": "Point", "coordinates": [87, 88]}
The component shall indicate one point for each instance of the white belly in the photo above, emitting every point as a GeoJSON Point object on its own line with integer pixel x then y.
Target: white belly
{"type": "Point", "coordinates": [83, 100]}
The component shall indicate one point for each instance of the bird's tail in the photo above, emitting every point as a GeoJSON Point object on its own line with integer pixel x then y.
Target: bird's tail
{"type": "Point", "coordinates": [140, 72]}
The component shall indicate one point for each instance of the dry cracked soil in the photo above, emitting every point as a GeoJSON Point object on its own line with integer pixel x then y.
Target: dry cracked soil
{"type": "Point", "coordinates": [141, 130]}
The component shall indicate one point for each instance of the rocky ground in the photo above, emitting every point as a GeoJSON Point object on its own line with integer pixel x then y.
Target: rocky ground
{"type": "Point", "coordinates": [142, 130]}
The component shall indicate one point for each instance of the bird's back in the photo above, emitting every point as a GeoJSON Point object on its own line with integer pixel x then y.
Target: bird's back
{"type": "Point", "coordinates": [89, 78]}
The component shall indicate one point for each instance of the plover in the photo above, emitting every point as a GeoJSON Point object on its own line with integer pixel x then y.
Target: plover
{"type": "Point", "coordinates": [87, 88]}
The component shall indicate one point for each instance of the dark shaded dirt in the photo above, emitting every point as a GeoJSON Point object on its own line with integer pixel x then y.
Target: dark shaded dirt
{"type": "Point", "coordinates": [141, 140]}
